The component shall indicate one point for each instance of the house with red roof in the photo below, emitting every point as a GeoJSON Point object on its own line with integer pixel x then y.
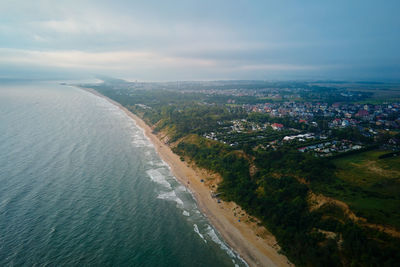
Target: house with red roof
{"type": "Point", "coordinates": [277, 126]}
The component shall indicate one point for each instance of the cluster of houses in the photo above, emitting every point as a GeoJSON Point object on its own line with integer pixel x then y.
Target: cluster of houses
{"type": "Point", "coordinates": [342, 114]}
{"type": "Point", "coordinates": [238, 125]}
{"type": "Point", "coordinates": [371, 120]}
{"type": "Point", "coordinates": [243, 125]}
{"type": "Point", "coordinates": [342, 123]}
{"type": "Point", "coordinates": [211, 136]}
{"type": "Point", "coordinates": [329, 148]}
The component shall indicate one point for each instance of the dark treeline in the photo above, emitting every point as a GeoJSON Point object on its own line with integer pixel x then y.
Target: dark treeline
{"type": "Point", "coordinates": [277, 192]}
{"type": "Point", "coordinates": [276, 197]}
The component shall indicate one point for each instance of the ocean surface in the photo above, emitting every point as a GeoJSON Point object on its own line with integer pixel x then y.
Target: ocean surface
{"type": "Point", "coordinates": [80, 184]}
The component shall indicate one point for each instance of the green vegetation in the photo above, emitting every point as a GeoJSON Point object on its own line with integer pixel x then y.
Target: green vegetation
{"type": "Point", "coordinates": [371, 186]}
{"type": "Point", "coordinates": [279, 199]}
{"type": "Point", "coordinates": [277, 190]}
{"type": "Point", "coordinates": [381, 95]}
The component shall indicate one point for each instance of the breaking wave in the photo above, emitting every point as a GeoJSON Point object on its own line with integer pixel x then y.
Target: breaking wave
{"type": "Point", "coordinates": [196, 230]}
{"type": "Point", "coordinates": [157, 177]}
{"type": "Point", "coordinates": [172, 197]}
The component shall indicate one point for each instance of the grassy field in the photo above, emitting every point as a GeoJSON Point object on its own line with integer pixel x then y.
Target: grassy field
{"type": "Point", "coordinates": [366, 169]}
{"type": "Point", "coordinates": [379, 101]}
{"type": "Point", "coordinates": [369, 185]}
{"type": "Point", "coordinates": [385, 93]}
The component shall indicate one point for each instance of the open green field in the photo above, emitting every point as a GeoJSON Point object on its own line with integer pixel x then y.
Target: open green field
{"type": "Point", "coordinates": [366, 169]}
{"type": "Point", "coordinates": [379, 101]}
{"type": "Point", "coordinates": [369, 185]}
{"type": "Point", "coordinates": [385, 93]}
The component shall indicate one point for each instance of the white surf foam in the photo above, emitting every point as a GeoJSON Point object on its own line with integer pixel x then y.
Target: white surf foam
{"type": "Point", "coordinates": [211, 233]}
{"type": "Point", "coordinates": [172, 197]}
{"type": "Point", "coordinates": [196, 229]}
{"type": "Point", "coordinates": [181, 188]}
{"type": "Point", "coordinates": [185, 213]}
{"type": "Point", "coordinates": [163, 163]}
{"type": "Point", "coordinates": [150, 162]}
{"type": "Point", "coordinates": [157, 177]}
{"type": "Point", "coordinates": [139, 139]}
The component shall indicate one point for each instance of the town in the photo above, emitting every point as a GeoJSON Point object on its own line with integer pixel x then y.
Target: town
{"type": "Point", "coordinates": [321, 118]}
{"type": "Point", "coordinates": [370, 121]}
{"type": "Point", "coordinates": [317, 158]}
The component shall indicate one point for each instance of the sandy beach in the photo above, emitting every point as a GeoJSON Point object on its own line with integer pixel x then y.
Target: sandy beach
{"type": "Point", "coordinates": [253, 243]}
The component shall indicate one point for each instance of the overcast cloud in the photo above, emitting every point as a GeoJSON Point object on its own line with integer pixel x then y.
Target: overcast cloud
{"type": "Point", "coordinates": [200, 40]}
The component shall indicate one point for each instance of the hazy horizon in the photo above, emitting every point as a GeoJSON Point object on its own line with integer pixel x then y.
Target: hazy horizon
{"type": "Point", "coordinates": [207, 40]}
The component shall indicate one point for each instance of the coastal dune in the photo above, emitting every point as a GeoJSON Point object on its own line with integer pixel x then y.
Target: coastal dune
{"type": "Point", "coordinates": [252, 242]}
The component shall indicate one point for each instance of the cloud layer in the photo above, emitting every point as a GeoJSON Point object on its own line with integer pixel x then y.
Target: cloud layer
{"type": "Point", "coordinates": [182, 40]}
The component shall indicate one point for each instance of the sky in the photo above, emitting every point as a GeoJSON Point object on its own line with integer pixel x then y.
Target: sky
{"type": "Point", "coordinates": [201, 40]}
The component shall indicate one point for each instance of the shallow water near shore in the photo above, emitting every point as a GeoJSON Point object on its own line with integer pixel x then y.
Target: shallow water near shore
{"type": "Point", "coordinates": [80, 184]}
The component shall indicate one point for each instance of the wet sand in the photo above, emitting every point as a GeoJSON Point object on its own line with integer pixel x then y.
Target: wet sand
{"type": "Point", "coordinates": [252, 242]}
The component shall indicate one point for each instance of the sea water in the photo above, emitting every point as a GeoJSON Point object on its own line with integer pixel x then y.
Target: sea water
{"type": "Point", "coordinates": [80, 184]}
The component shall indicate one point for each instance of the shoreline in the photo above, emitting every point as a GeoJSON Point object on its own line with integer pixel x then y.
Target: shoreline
{"type": "Point", "coordinates": [251, 242]}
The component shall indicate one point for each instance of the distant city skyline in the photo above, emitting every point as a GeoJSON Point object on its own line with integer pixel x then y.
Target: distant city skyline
{"type": "Point", "coordinates": [201, 40]}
